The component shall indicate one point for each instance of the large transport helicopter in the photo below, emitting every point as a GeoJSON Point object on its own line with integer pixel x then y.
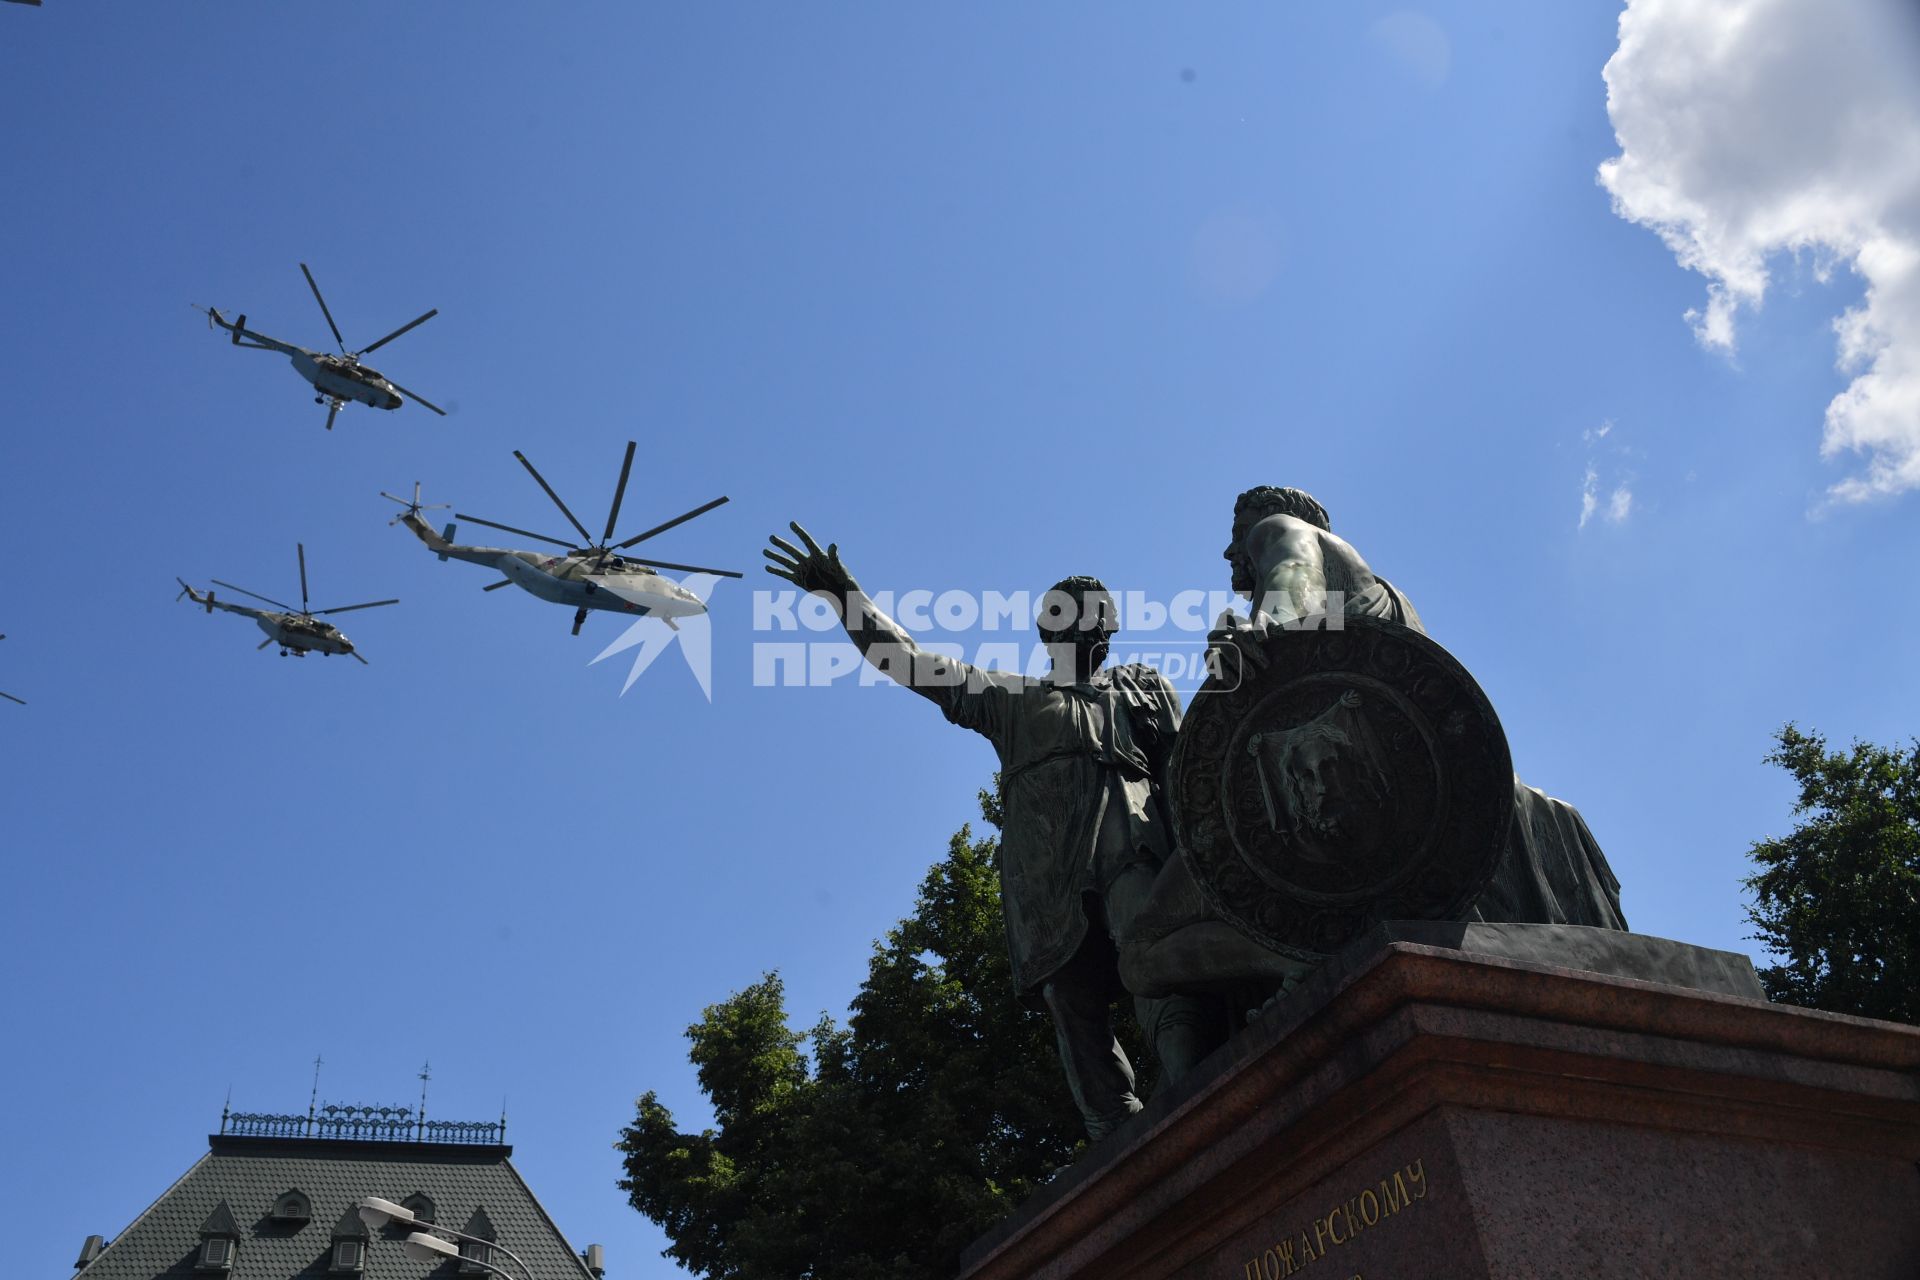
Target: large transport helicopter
{"type": "Point", "coordinates": [9, 697]}
{"type": "Point", "coordinates": [590, 575]}
{"type": "Point", "coordinates": [336, 379]}
{"type": "Point", "coordinates": [297, 631]}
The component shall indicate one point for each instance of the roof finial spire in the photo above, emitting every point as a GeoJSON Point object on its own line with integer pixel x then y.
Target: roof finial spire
{"type": "Point", "coordinates": [314, 1097]}
{"type": "Point", "coordinates": [426, 1074]}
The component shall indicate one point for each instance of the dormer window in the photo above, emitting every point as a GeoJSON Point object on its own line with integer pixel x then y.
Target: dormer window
{"type": "Point", "coordinates": [292, 1208]}
{"type": "Point", "coordinates": [348, 1256]}
{"type": "Point", "coordinates": [476, 1255]}
{"type": "Point", "coordinates": [420, 1205]}
{"type": "Point", "coordinates": [219, 1240]}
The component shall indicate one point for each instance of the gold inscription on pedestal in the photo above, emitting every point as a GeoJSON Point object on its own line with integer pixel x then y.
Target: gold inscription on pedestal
{"type": "Point", "coordinates": [1371, 1207]}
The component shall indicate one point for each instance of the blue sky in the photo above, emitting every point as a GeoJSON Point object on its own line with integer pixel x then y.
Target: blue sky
{"type": "Point", "coordinates": [988, 297]}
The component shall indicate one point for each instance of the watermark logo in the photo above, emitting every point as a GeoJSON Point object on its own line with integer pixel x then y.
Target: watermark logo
{"type": "Point", "coordinates": [653, 636]}
{"type": "Point", "coordinates": [960, 638]}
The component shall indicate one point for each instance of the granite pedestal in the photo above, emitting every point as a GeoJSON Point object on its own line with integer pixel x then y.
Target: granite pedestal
{"type": "Point", "coordinates": [1442, 1101]}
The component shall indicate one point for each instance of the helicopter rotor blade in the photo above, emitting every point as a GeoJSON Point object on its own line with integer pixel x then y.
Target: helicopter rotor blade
{"type": "Point", "coordinates": [525, 533]}
{"type": "Point", "coordinates": [685, 568]}
{"type": "Point", "coordinates": [414, 323]}
{"type": "Point", "coordinates": [340, 341]}
{"type": "Point", "coordinates": [10, 698]}
{"type": "Point", "coordinates": [303, 578]}
{"type": "Point", "coordinates": [416, 397]}
{"type": "Point", "coordinates": [349, 608]}
{"type": "Point", "coordinates": [585, 537]}
{"type": "Point", "coordinates": [278, 604]}
{"type": "Point", "coordinates": [619, 492]}
{"type": "Point", "coordinates": [662, 528]}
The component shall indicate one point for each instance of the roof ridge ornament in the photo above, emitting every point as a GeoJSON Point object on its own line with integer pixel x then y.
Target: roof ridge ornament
{"type": "Point", "coordinates": [366, 1123]}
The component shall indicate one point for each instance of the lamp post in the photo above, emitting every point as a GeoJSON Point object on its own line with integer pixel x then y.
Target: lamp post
{"type": "Point", "coordinates": [423, 1246]}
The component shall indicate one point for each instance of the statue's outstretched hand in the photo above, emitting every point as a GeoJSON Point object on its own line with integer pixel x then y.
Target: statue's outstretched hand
{"type": "Point", "coordinates": [812, 570]}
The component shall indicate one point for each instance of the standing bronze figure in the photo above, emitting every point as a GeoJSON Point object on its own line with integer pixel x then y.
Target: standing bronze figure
{"type": "Point", "coordinates": [1083, 755]}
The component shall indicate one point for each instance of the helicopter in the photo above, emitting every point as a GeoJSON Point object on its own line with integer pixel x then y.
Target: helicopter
{"type": "Point", "coordinates": [590, 575]}
{"type": "Point", "coordinates": [337, 379]}
{"type": "Point", "coordinates": [9, 697]}
{"type": "Point", "coordinates": [297, 631]}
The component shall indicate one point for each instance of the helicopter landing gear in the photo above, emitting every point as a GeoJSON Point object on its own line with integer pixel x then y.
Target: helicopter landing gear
{"type": "Point", "coordinates": [579, 616]}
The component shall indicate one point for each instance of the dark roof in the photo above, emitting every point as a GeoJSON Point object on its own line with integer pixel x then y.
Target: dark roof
{"type": "Point", "coordinates": [249, 1174]}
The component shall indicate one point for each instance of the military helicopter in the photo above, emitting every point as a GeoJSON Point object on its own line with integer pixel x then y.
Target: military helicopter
{"type": "Point", "coordinates": [297, 631]}
{"type": "Point", "coordinates": [337, 379]}
{"type": "Point", "coordinates": [9, 697]}
{"type": "Point", "coordinates": [590, 576]}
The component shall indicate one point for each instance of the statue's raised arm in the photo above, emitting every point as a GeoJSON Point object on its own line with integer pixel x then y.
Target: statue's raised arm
{"type": "Point", "coordinates": [814, 571]}
{"type": "Point", "coordinates": [966, 696]}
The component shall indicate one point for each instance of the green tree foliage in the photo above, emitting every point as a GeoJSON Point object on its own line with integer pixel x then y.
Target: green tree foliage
{"type": "Point", "coordinates": [934, 1111]}
{"type": "Point", "coordinates": [1838, 898]}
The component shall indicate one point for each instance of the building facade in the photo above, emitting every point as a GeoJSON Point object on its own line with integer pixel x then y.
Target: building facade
{"type": "Point", "coordinates": [277, 1197]}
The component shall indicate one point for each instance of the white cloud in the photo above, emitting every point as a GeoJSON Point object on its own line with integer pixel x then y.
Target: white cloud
{"type": "Point", "coordinates": [1748, 128]}
{"type": "Point", "coordinates": [1620, 500]}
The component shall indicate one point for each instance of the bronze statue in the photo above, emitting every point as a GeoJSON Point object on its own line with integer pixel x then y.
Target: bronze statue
{"type": "Point", "coordinates": [1315, 826]}
{"type": "Point", "coordinates": [1082, 753]}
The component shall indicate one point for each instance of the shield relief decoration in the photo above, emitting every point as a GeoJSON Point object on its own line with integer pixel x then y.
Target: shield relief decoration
{"type": "Point", "coordinates": [1359, 775]}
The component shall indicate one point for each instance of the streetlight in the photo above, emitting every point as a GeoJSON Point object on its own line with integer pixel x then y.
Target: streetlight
{"type": "Point", "coordinates": [423, 1246]}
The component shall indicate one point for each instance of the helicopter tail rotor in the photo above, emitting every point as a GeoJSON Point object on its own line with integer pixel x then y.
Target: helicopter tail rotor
{"type": "Point", "coordinates": [187, 592]}
{"type": "Point", "coordinates": [413, 508]}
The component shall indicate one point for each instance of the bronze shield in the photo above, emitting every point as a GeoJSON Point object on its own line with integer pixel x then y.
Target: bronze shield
{"type": "Point", "coordinates": [1360, 775]}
